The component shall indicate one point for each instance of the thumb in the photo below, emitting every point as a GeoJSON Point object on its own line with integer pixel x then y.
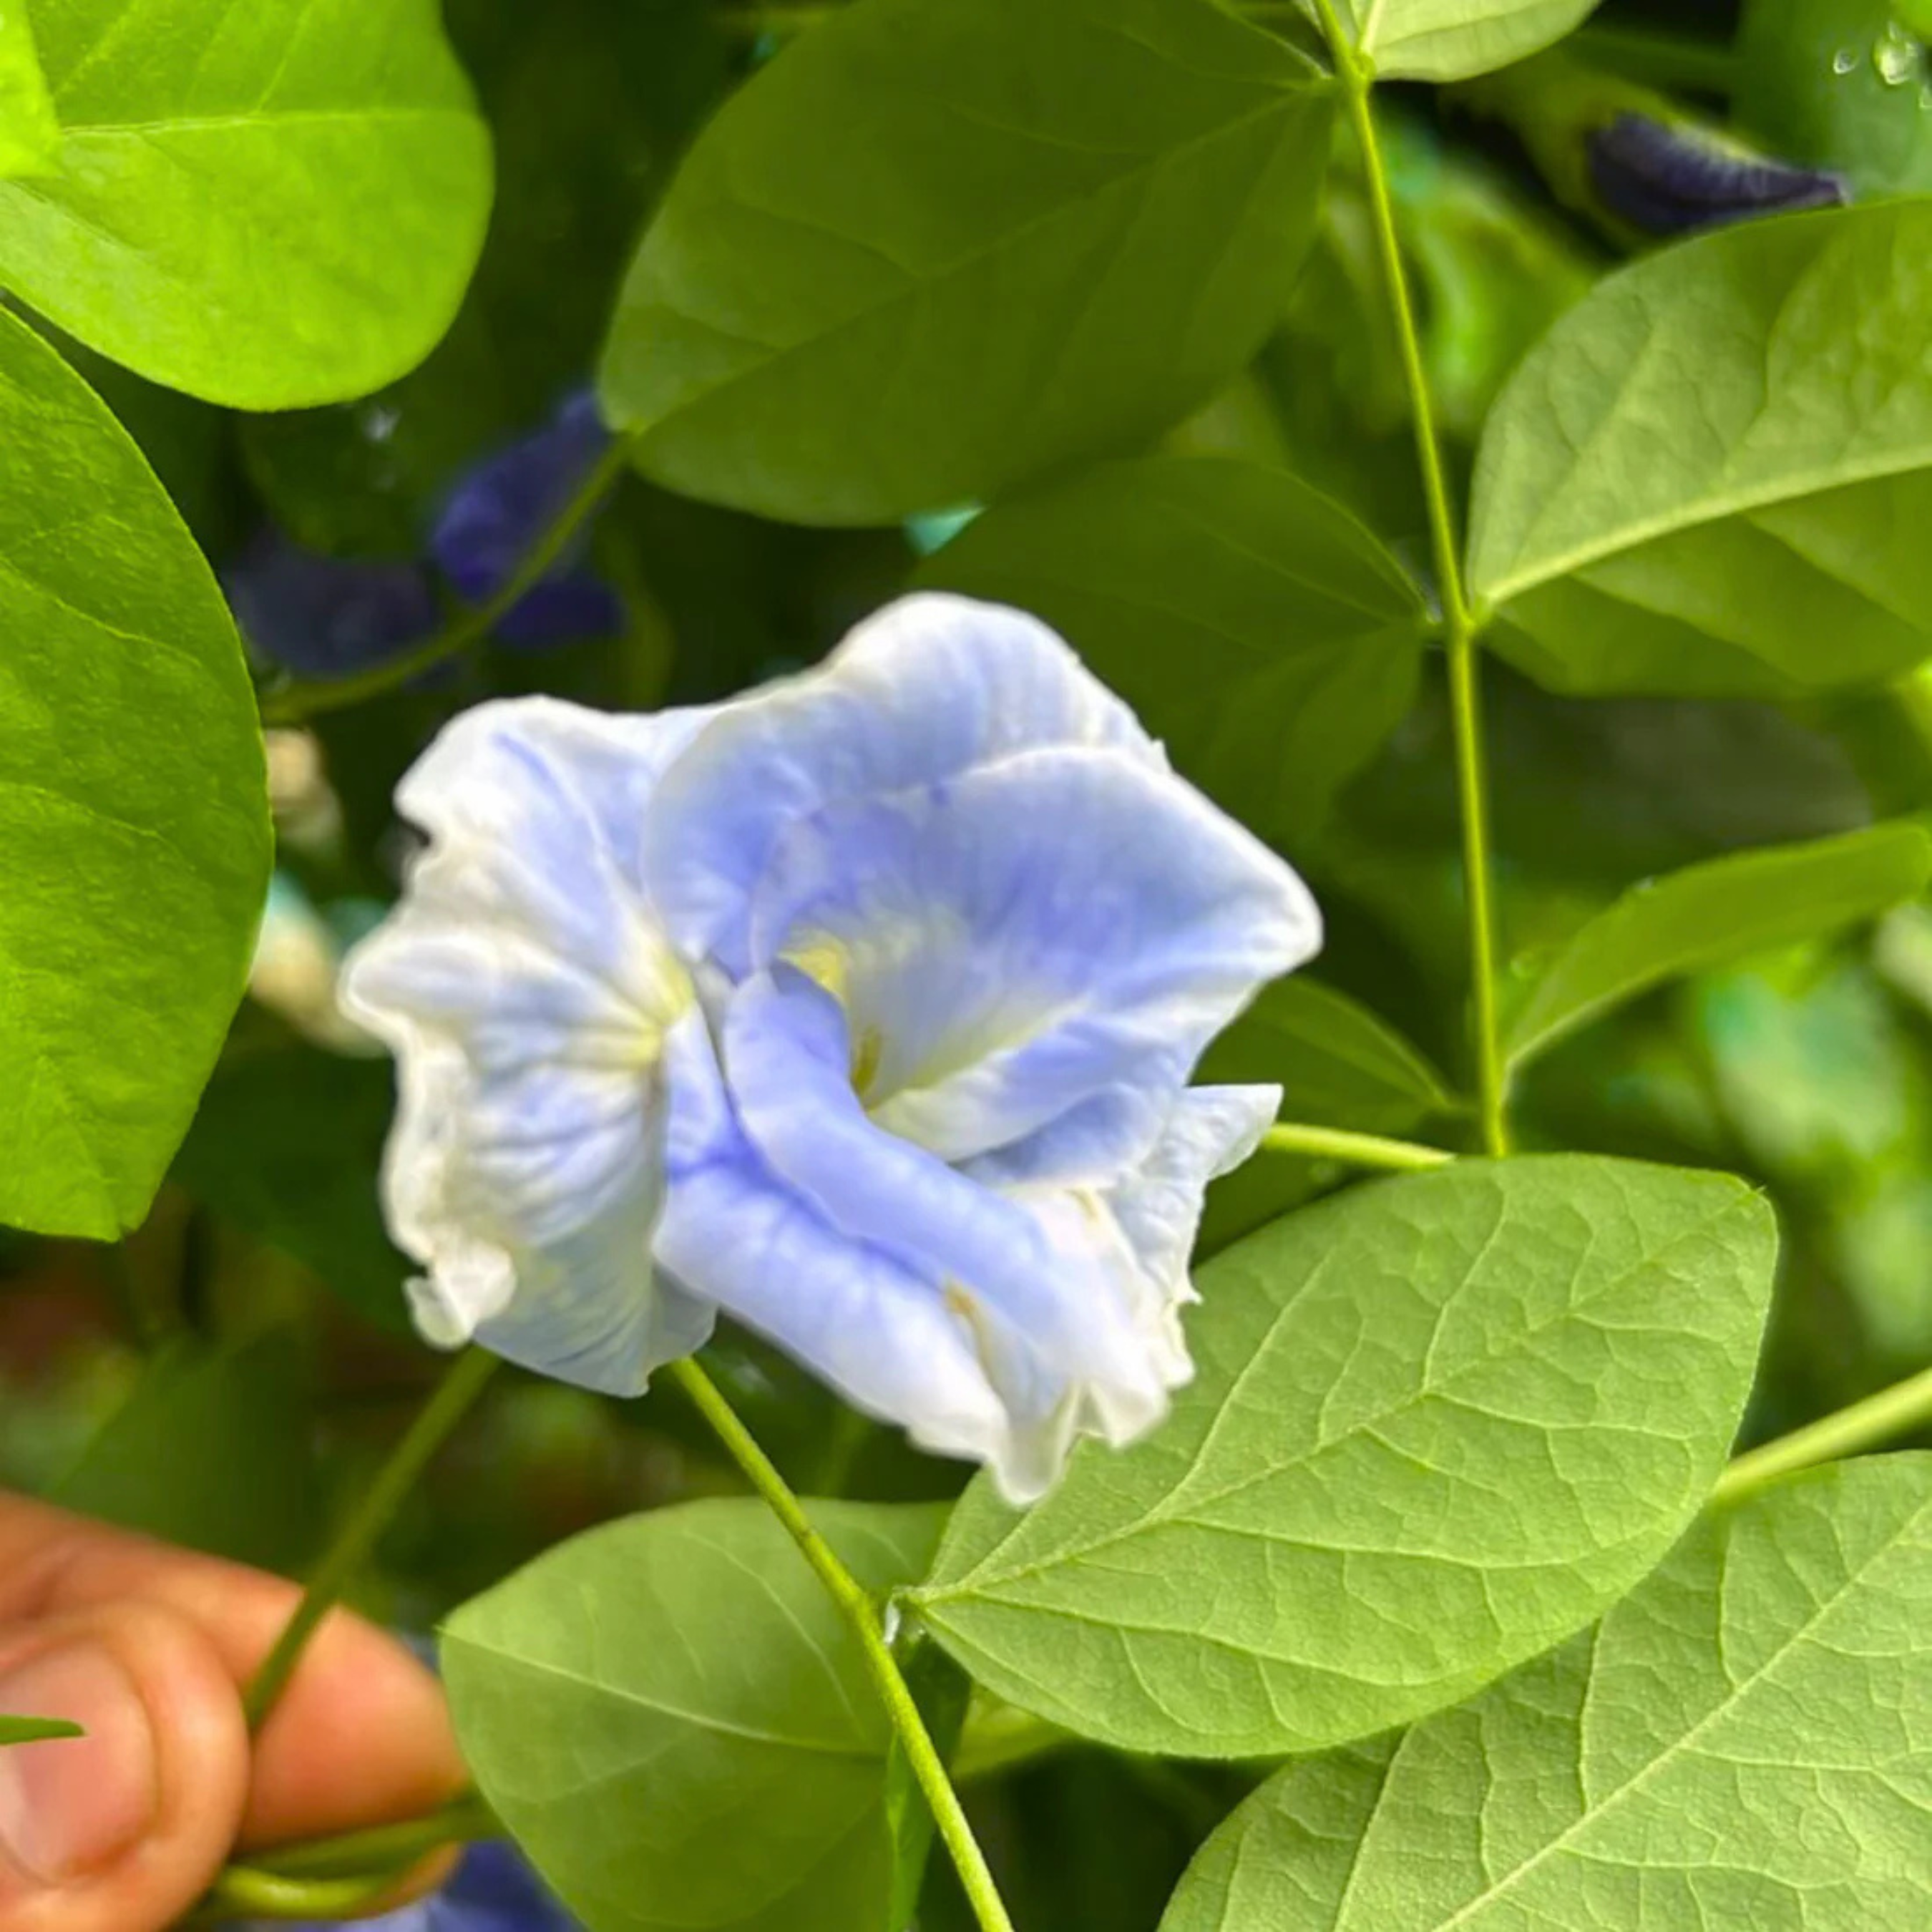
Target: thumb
{"type": "Point", "coordinates": [121, 1830]}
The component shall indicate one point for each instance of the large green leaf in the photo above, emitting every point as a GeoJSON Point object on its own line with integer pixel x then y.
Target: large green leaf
{"type": "Point", "coordinates": [132, 809]}
{"type": "Point", "coordinates": [29, 132]}
{"type": "Point", "coordinates": [1745, 1741]}
{"type": "Point", "coordinates": [938, 245]}
{"type": "Point", "coordinates": [1258, 629]}
{"type": "Point", "coordinates": [265, 204]}
{"type": "Point", "coordinates": [674, 1719]}
{"type": "Point", "coordinates": [1438, 1423]}
{"type": "Point", "coordinates": [1723, 910]}
{"type": "Point", "coordinates": [1450, 40]}
{"type": "Point", "coordinates": [213, 1448]}
{"type": "Point", "coordinates": [1715, 475]}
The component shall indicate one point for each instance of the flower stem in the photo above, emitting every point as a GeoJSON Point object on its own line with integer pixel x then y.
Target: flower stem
{"type": "Point", "coordinates": [1358, 1149]}
{"type": "Point", "coordinates": [1462, 625]}
{"type": "Point", "coordinates": [291, 702]}
{"type": "Point", "coordinates": [382, 1847]}
{"type": "Point", "coordinates": [245, 1891]}
{"type": "Point", "coordinates": [860, 1612]}
{"type": "Point", "coordinates": [447, 1406]}
{"type": "Point", "coordinates": [1906, 1406]}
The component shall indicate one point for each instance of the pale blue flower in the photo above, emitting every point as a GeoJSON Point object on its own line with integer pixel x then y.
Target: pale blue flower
{"type": "Point", "coordinates": [863, 1009]}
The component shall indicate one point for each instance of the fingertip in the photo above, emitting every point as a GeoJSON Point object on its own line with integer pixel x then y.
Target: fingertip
{"type": "Point", "coordinates": [125, 1827]}
{"type": "Point", "coordinates": [362, 1736]}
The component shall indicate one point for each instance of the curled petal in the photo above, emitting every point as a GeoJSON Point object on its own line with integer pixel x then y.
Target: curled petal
{"type": "Point", "coordinates": [526, 994]}
{"type": "Point", "coordinates": [932, 686]}
{"type": "Point", "coordinates": [1015, 944]}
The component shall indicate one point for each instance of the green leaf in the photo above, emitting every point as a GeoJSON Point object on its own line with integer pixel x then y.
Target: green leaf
{"type": "Point", "coordinates": [1258, 629]}
{"type": "Point", "coordinates": [36, 1730]}
{"type": "Point", "coordinates": [1437, 1424]}
{"type": "Point", "coordinates": [1740, 1742]}
{"type": "Point", "coordinates": [675, 1722]}
{"type": "Point", "coordinates": [29, 131]}
{"type": "Point", "coordinates": [1715, 475]}
{"type": "Point", "coordinates": [133, 809]}
{"type": "Point", "coordinates": [940, 245]}
{"type": "Point", "coordinates": [1450, 40]}
{"type": "Point", "coordinates": [1337, 1063]}
{"type": "Point", "coordinates": [1837, 84]}
{"type": "Point", "coordinates": [212, 1449]}
{"type": "Point", "coordinates": [265, 205]}
{"type": "Point", "coordinates": [1723, 910]}
{"type": "Point", "coordinates": [287, 1146]}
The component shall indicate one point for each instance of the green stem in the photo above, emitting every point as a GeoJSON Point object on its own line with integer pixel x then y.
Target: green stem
{"type": "Point", "coordinates": [446, 1407]}
{"type": "Point", "coordinates": [863, 1615]}
{"type": "Point", "coordinates": [291, 704]}
{"type": "Point", "coordinates": [1461, 625]}
{"type": "Point", "coordinates": [1358, 1149]}
{"type": "Point", "coordinates": [383, 1847]}
{"type": "Point", "coordinates": [244, 1892]}
{"type": "Point", "coordinates": [1904, 1407]}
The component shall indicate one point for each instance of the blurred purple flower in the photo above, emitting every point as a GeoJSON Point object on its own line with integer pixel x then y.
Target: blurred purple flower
{"type": "Point", "coordinates": [503, 505]}
{"type": "Point", "coordinates": [1670, 180]}
{"type": "Point", "coordinates": [326, 617]}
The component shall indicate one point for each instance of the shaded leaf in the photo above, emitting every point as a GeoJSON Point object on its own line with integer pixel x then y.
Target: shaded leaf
{"type": "Point", "coordinates": [1721, 911]}
{"type": "Point", "coordinates": [1259, 630]}
{"type": "Point", "coordinates": [212, 1449]}
{"type": "Point", "coordinates": [1713, 476]}
{"type": "Point", "coordinates": [939, 245]}
{"type": "Point", "coordinates": [287, 1146]}
{"type": "Point", "coordinates": [1437, 1424]}
{"type": "Point", "coordinates": [1743, 1741]}
{"type": "Point", "coordinates": [133, 807]}
{"type": "Point", "coordinates": [675, 1720]}
{"type": "Point", "coordinates": [264, 205]}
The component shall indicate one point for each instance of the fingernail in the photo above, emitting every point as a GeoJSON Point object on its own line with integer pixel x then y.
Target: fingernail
{"type": "Point", "coordinates": [72, 1804]}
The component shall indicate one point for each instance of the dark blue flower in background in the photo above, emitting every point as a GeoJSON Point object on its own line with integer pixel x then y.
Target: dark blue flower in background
{"type": "Point", "coordinates": [502, 505]}
{"type": "Point", "coordinates": [1665, 179]}
{"type": "Point", "coordinates": [327, 616]}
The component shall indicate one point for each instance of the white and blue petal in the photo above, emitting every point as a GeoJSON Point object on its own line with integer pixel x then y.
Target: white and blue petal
{"type": "Point", "coordinates": [1042, 946]}
{"type": "Point", "coordinates": [527, 992]}
{"type": "Point", "coordinates": [931, 687]}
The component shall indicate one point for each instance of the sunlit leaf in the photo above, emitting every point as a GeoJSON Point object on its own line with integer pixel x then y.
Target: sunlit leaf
{"type": "Point", "coordinates": [1450, 40]}
{"type": "Point", "coordinates": [132, 809]}
{"type": "Point", "coordinates": [1437, 1423]}
{"type": "Point", "coordinates": [266, 205]}
{"type": "Point", "coordinates": [1744, 1740]}
{"type": "Point", "coordinates": [29, 132]}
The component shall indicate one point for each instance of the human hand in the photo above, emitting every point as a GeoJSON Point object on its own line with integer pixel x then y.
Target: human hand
{"type": "Point", "coordinates": [148, 1649]}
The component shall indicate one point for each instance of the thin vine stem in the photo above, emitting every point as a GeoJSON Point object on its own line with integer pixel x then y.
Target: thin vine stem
{"type": "Point", "coordinates": [1461, 623]}
{"type": "Point", "coordinates": [1357, 1150]}
{"type": "Point", "coordinates": [451, 1401]}
{"type": "Point", "coordinates": [292, 703]}
{"type": "Point", "coordinates": [1894, 1411]}
{"type": "Point", "coordinates": [379, 1848]}
{"type": "Point", "coordinates": [859, 1611]}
